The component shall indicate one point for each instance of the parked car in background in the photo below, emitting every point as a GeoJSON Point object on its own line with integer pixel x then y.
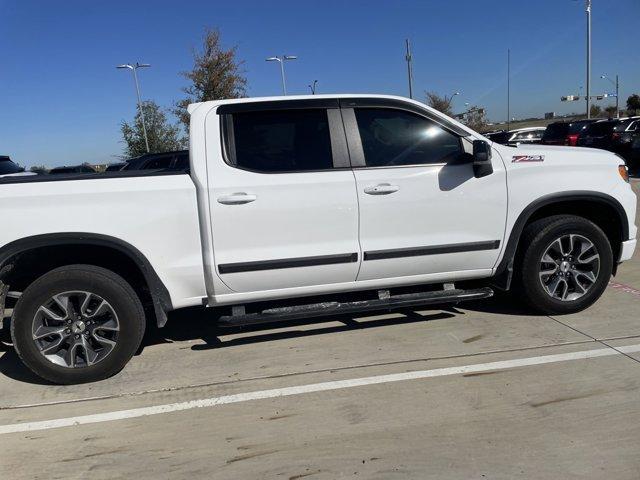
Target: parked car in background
{"type": "Point", "coordinates": [498, 136]}
{"type": "Point", "coordinates": [10, 169]}
{"type": "Point", "coordinates": [633, 162]}
{"type": "Point", "coordinates": [599, 135]}
{"type": "Point", "coordinates": [564, 133]}
{"type": "Point", "coordinates": [530, 135]}
{"type": "Point", "coordinates": [72, 169]}
{"type": "Point", "coordinates": [177, 161]}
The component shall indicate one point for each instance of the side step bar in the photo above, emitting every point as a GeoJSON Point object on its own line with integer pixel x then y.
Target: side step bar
{"type": "Point", "coordinates": [384, 302]}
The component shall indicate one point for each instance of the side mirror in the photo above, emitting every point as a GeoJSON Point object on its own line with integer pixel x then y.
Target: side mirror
{"type": "Point", "coordinates": [482, 159]}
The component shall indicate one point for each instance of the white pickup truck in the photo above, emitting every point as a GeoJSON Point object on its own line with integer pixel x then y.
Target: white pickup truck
{"type": "Point", "coordinates": [299, 207]}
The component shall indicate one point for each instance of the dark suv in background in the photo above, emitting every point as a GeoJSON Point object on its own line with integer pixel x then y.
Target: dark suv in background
{"type": "Point", "coordinates": [564, 133]}
{"type": "Point", "coordinates": [599, 135]}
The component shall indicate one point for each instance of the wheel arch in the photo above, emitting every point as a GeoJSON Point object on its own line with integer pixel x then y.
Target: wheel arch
{"type": "Point", "coordinates": [41, 253]}
{"type": "Point", "coordinates": [604, 210]}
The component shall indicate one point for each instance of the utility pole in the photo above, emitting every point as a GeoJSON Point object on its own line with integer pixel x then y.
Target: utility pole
{"type": "Point", "coordinates": [588, 10]}
{"type": "Point", "coordinates": [508, 89]}
{"type": "Point", "coordinates": [408, 58]}
{"type": "Point", "coordinates": [617, 98]}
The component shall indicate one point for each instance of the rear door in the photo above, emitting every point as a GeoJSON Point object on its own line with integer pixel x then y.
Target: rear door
{"type": "Point", "coordinates": [422, 211]}
{"type": "Point", "coordinates": [283, 201]}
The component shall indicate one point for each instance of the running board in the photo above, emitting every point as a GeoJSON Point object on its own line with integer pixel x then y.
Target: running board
{"type": "Point", "coordinates": [384, 302]}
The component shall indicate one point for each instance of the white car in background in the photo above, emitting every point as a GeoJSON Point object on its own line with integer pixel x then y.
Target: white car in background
{"type": "Point", "coordinates": [529, 135]}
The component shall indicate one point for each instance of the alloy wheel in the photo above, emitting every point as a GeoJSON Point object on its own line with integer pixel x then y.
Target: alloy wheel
{"type": "Point", "coordinates": [75, 329]}
{"type": "Point", "coordinates": [569, 267]}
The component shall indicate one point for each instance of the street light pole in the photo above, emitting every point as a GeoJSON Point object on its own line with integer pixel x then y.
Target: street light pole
{"type": "Point", "coordinates": [281, 61]}
{"type": "Point", "coordinates": [588, 10]}
{"type": "Point", "coordinates": [408, 57]}
{"type": "Point", "coordinates": [450, 102]}
{"type": "Point", "coordinates": [617, 98]}
{"type": "Point", "coordinates": [134, 69]}
{"type": "Point", "coordinates": [508, 89]}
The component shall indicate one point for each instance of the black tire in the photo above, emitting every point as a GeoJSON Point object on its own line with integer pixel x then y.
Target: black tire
{"type": "Point", "coordinates": [87, 278]}
{"type": "Point", "coordinates": [534, 241]}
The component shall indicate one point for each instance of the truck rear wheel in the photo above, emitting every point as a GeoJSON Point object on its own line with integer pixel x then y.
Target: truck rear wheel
{"type": "Point", "coordinates": [77, 324]}
{"type": "Point", "coordinates": [565, 265]}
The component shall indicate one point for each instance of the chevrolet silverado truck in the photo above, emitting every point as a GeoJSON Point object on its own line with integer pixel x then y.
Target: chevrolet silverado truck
{"type": "Point", "coordinates": [297, 207]}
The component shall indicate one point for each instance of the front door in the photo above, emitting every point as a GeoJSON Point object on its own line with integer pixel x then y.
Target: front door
{"type": "Point", "coordinates": [283, 202]}
{"type": "Point", "coordinates": [422, 211]}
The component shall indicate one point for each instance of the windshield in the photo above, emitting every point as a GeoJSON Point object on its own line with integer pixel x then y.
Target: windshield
{"type": "Point", "coordinates": [577, 127]}
{"type": "Point", "coordinates": [7, 167]}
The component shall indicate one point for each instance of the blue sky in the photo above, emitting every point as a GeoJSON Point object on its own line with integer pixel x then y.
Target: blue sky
{"type": "Point", "coordinates": [62, 100]}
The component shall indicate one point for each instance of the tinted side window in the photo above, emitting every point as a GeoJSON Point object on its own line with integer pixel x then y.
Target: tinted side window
{"type": "Point", "coordinates": [396, 138]}
{"type": "Point", "coordinates": [181, 163]}
{"type": "Point", "coordinates": [158, 163]}
{"type": "Point", "coordinates": [281, 141]}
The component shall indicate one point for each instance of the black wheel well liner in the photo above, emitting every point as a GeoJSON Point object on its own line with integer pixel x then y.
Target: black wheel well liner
{"type": "Point", "coordinates": [604, 210]}
{"type": "Point", "coordinates": [93, 249]}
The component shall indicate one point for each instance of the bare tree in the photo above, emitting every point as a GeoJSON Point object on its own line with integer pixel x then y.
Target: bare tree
{"type": "Point", "coordinates": [442, 104]}
{"type": "Point", "coordinates": [217, 74]}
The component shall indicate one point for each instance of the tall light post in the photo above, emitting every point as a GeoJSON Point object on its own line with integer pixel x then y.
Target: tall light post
{"type": "Point", "coordinates": [134, 69]}
{"type": "Point", "coordinates": [617, 84]}
{"type": "Point", "coordinates": [454, 94]}
{"type": "Point", "coordinates": [409, 58]}
{"type": "Point", "coordinates": [588, 10]}
{"type": "Point", "coordinates": [313, 87]}
{"type": "Point", "coordinates": [508, 89]}
{"type": "Point", "coordinates": [281, 61]}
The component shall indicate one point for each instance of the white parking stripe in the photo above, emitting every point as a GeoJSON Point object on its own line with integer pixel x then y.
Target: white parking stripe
{"type": "Point", "coordinates": [315, 387]}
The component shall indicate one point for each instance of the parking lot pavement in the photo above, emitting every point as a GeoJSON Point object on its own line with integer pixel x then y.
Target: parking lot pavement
{"type": "Point", "coordinates": [411, 395]}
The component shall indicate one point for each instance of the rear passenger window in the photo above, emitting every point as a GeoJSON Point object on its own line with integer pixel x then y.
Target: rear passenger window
{"type": "Point", "coordinates": [397, 138]}
{"type": "Point", "coordinates": [280, 141]}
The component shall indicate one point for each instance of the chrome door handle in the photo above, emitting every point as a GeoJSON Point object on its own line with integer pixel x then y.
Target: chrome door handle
{"type": "Point", "coordinates": [239, 198]}
{"type": "Point", "coordinates": [381, 189]}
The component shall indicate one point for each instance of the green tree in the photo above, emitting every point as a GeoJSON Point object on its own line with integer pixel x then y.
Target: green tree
{"type": "Point", "coordinates": [163, 136]}
{"type": "Point", "coordinates": [595, 110]}
{"type": "Point", "coordinates": [217, 74]}
{"type": "Point", "coordinates": [610, 110]}
{"type": "Point", "coordinates": [633, 103]}
{"type": "Point", "coordinates": [442, 104]}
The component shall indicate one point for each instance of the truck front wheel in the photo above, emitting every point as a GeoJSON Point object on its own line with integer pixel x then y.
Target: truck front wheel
{"type": "Point", "coordinates": [565, 265]}
{"type": "Point", "coordinates": [76, 324]}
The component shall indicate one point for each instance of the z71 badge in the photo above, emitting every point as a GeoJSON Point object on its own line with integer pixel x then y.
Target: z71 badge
{"type": "Point", "coordinates": [527, 158]}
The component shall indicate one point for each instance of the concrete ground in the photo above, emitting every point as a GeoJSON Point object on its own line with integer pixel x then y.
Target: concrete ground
{"type": "Point", "coordinates": [481, 391]}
